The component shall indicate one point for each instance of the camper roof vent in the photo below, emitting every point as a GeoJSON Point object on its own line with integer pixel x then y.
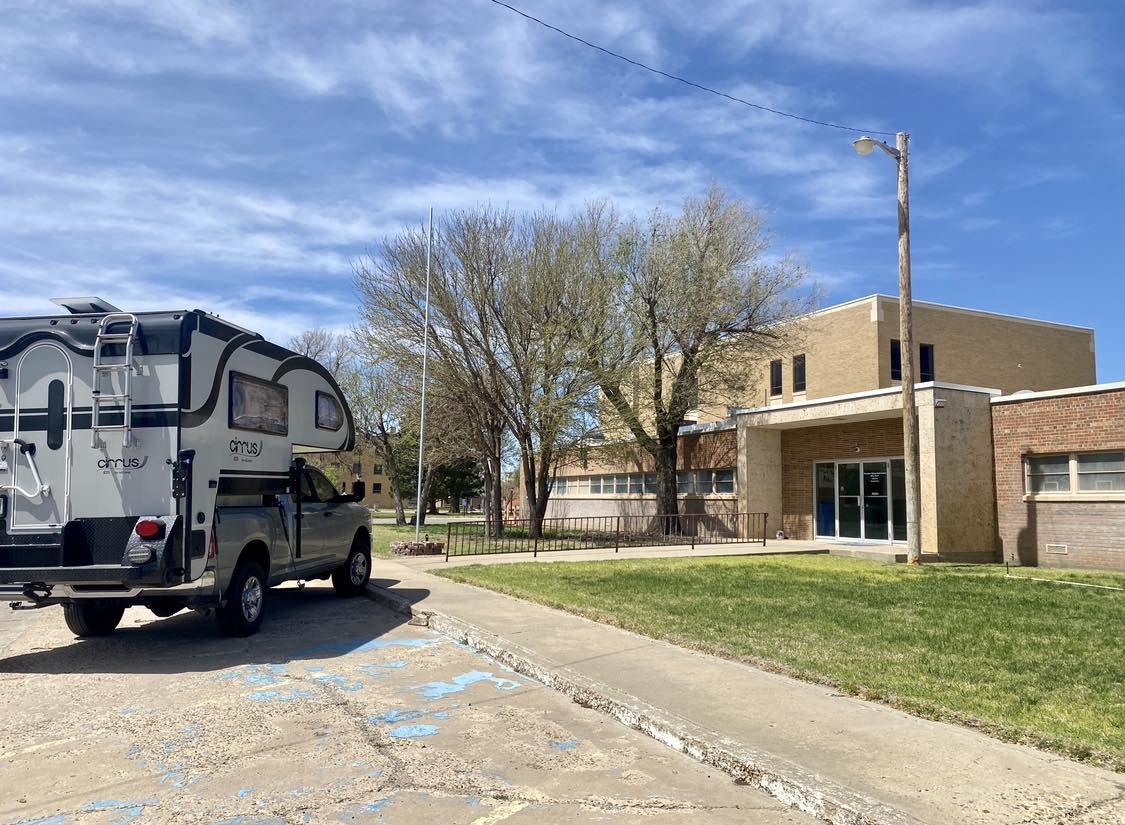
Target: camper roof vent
{"type": "Point", "coordinates": [84, 306]}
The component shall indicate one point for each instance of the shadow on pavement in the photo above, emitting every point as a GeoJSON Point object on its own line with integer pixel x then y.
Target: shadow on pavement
{"type": "Point", "coordinates": [309, 624]}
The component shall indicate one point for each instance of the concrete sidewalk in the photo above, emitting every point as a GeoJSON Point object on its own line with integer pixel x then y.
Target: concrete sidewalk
{"type": "Point", "coordinates": [836, 757]}
{"type": "Point", "coordinates": [663, 551]}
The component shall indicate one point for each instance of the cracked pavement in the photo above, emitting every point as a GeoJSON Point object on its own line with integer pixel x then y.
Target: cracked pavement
{"type": "Point", "coordinates": [336, 711]}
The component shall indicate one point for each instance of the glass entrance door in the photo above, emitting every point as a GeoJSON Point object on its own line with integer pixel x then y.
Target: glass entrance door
{"type": "Point", "coordinates": [875, 505]}
{"type": "Point", "coordinates": [849, 483]}
{"type": "Point", "coordinates": [863, 500]}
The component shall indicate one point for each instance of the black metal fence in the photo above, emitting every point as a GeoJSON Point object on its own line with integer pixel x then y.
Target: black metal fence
{"type": "Point", "coordinates": [471, 538]}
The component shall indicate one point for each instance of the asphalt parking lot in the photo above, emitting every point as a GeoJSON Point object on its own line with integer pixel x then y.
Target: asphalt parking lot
{"type": "Point", "coordinates": [335, 712]}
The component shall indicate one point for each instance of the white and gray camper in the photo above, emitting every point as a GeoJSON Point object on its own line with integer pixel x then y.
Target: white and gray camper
{"type": "Point", "coordinates": [154, 459]}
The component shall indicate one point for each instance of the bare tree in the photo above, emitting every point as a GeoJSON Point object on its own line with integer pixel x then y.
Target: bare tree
{"type": "Point", "coordinates": [687, 301]}
{"type": "Point", "coordinates": [331, 350]}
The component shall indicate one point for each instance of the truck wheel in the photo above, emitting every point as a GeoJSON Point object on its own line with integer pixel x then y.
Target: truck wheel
{"type": "Point", "coordinates": [86, 619]}
{"type": "Point", "coordinates": [246, 601]}
{"type": "Point", "coordinates": [351, 578]}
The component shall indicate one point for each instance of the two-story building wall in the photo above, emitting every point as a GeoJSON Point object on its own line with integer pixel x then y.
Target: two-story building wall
{"type": "Point", "coordinates": [854, 347]}
{"type": "Point", "coordinates": [818, 446]}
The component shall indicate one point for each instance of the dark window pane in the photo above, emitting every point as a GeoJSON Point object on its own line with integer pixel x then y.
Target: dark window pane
{"type": "Point", "coordinates": [826, 499]}
{"type": "Point", "coordinates": [896, 360]}
{"type": "Point", "coordinates": [56, 414]}
{"type": "Point", "coordinates": [798, 373]}
{"type": "Point", "coordinates": [926, 362]}
{"type": "Point", "coordinates": [775, 377]}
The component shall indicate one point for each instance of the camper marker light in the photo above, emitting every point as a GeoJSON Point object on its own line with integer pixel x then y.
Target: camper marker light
{"type": "Point", "coordinates": [149, 530]}
{"type": "Point", "coordinates": [140, 554]}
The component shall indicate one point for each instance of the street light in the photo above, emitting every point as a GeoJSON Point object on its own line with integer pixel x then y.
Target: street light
{"type": "Point", "coordinates": [865, 146]}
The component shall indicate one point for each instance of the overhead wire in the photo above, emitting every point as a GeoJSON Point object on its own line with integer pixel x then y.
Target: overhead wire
{"type": "Point", "coordinates": [684, 80]}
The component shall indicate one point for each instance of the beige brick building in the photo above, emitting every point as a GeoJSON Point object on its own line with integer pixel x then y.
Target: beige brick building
{"type": "Point", "coordinates": [819, 449]}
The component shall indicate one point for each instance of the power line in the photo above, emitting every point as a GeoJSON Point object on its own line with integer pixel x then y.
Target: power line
{"type": "Point", "coordinates": [684, 80]}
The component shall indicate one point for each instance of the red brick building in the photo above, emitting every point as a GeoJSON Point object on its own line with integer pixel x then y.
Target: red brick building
{"type": "Point", "coordinates": [1059, 459]}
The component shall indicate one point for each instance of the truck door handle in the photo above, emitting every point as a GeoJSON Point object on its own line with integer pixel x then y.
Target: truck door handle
{"type": "Point", "coordinates": [327, 513]}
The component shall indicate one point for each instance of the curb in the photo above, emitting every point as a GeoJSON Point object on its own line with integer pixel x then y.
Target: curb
{"type": "Point", "coordinates": [789, 783]}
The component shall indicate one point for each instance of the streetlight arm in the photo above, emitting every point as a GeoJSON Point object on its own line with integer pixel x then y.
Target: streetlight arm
{"type": "Point", "coordinates": [865, 144]}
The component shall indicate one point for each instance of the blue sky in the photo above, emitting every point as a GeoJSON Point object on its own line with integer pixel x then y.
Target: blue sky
{"type": "Point", "coordinates": [238, 156]}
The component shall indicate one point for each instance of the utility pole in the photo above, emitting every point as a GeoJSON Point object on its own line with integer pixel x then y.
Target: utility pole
{"type": "Point", "coordinates": [906, 336]}
{"type": "Point", "coordinates": [418, 503]}
{"type": "Point", "coordinates": [865, 145]}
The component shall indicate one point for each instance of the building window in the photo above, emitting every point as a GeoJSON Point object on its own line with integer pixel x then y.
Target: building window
{"type": "Point", "coordinates": [357, 469]}
{"type": "Point", "coordinates": [724, 481]}
{"type": "Point", "coordinates": [377, 486]}
{"type": "Point", "coordinates": [925, 362]}
{"type": "Point", "coordinates": [1048, 474]}
{"type": "Point", "coordinates": [636, 483]}
{"type": "Point", "coordinates": [798, 373]}
{"type": "Point", "coordinates": [896, 360]}
{"type": "Point", "coordinates": [650, 484]}
{"type": "Point", "coordinates": [560, 486]}
{"type": "Point", "coordinates": [1101, 473]}
{"type": "Point", "coordinates": [685, 483]}
{"type": "Point", "coordinates": [775, 377]}
{"type": "Point", "coordinates": [377, 469]}
{"type": "Point", "coordinates": [621, 484]}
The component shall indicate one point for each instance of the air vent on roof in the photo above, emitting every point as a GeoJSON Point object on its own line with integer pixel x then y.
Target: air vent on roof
{"type": "Point", "coordinates": [85, 306]}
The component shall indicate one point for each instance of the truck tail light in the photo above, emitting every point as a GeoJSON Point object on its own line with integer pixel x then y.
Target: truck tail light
{"type": "Point", "coordinates": [212, 546]}
{"type": "Point", "coordinates": [149, 530]}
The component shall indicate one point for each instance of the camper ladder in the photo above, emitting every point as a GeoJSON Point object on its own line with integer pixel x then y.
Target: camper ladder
{"type": "Point", "coordinates": [125, 367]}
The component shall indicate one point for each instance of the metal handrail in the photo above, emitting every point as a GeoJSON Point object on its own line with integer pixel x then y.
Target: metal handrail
{"type": "Point", "coordinates": [604, 532]}
{"type": "Point", "coordinates": [27, 449]}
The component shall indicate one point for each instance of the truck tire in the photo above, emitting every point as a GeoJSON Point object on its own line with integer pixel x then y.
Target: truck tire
{"type": "Point", "coordinates": [86, 619]}
{"type": "Point", "coordinates": [350, 579]}
{"type": "Point", "coordinates": [246, 601]}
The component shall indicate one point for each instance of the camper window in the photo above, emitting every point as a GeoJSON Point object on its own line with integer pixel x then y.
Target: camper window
{"type": "Point", "coordinates": [329, 416]}
{"type": "Point", "coordinates": [258, 405]}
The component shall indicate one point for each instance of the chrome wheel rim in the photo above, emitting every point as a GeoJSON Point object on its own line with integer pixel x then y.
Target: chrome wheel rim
{"type": "Point", "coordinates": [359, 568]}
{"type": "Point", "coordinates": [251, 599]}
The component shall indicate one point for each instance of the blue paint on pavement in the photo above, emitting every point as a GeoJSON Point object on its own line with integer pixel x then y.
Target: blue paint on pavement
{"type": "Point", "coordinates": [342, 682]}
{"type": "Point", "coordinates": [56, 819]}
{"type": "Point", "coordinates": [413, 731]}
{"type": "Point", "coordinates": [368, 645]}
{"type": "Point", "coordinates": [286, 695]}
{"type": "Point", "coordinates": [564, 744]}
{"type": "Point", "coordinates": [250, 820]}
{"type": "Point", "coordinates": [436, 690]}
{"type": "Point", "coordinates": [242, 793]}
{"type": "Point", "coordinates": [391, 716]}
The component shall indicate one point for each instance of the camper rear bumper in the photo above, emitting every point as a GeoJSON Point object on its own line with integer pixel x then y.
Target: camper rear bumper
{"type": "Point", "coordinates": [87, 574]}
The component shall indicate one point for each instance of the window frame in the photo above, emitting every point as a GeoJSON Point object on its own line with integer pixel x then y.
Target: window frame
{"type": "Point", "coordinates": [339, 411]}
{"type": "Point", "coordinates": [799, 378]}
{"type": "Point", "coordinates": [896, 359]}
{"type": "Point", "coordinates": [1073, 475]}
{"type": "Point", "coordinates": [778, 388]}
{"type": "Point", "coordinates": [236, 376]}
{"type": "Point", "coordinates": [922, 374]}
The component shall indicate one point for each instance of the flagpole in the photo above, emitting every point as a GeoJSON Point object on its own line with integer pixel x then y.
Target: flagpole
{"type": "Point", "coordinates": [419, 504]}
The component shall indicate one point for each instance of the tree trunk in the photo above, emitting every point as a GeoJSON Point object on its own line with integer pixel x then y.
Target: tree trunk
{"type": "Point", "coordinates": [419, 507]}
{"type": "Point", "coordinates": [455, 504]}
{"type": "Point", "coordinates": [432, 504]}
{"type": "Point", "coordinates": [497, 510]}
{"type": "Point", "coordinates": [667, 494]}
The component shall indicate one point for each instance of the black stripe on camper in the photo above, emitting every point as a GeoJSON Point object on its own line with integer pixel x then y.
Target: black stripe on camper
{"type": "Point", "coordinates": [202, 415]}
{"type": "Point", "coordinates": [251, 483]}
{"type": "Point", "coordinates": [303, 363]}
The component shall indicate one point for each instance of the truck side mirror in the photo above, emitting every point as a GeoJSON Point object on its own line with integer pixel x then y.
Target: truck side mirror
{"type": "Point", "coordinates": [359, 490]}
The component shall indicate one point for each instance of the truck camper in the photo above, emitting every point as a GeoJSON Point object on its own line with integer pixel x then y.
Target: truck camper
{"type": "Point", "coordinates": [155, 459]}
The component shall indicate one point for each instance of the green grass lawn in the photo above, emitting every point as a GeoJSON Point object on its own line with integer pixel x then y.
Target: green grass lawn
{"type": "Point", "coordinates": [1026, 661]}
